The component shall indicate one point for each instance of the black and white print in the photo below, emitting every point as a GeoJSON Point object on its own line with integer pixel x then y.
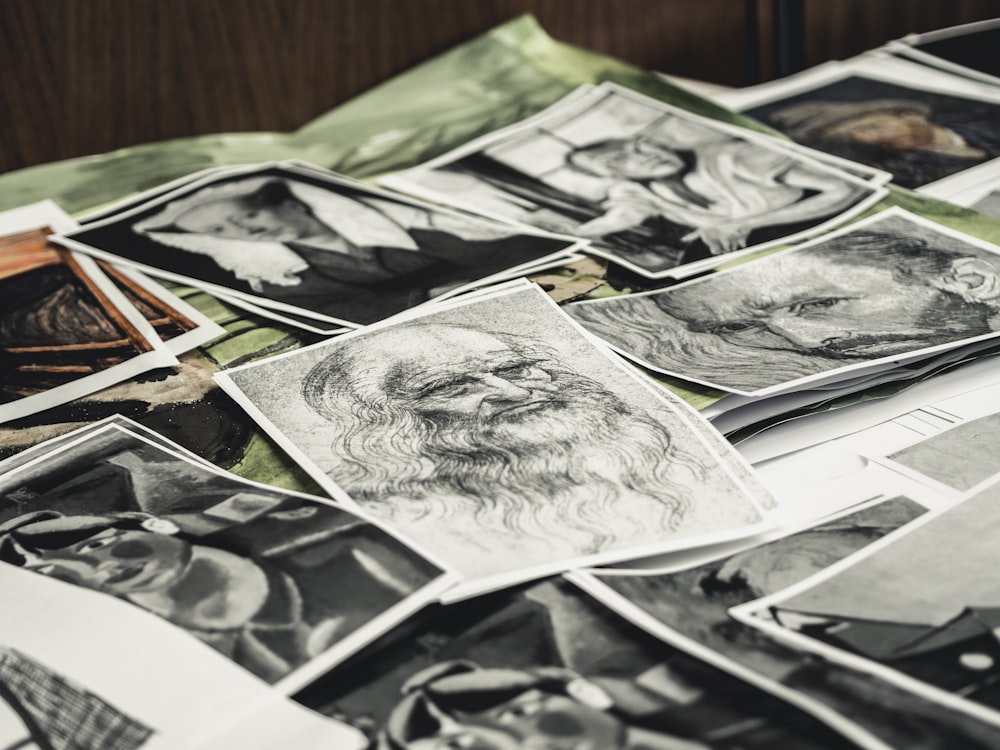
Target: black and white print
{"type": "Point", "coordinates": [497, 434]}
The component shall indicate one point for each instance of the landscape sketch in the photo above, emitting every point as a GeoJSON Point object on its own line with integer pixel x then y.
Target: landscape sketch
{"type": "Point", "coordinates": [65, 330]}
{"type": "Point", "coordinates": [303, 240]}
{"type": "Point", "coordinates": [497, 434]}
{"type": "Point", "coordinates": [919, 124]}
{"type": "Point", "coordinates": [281, 583]}
{"type": "Point", "coordinates": [885, 290]}
{"type": "Point", "coordinates": [894, 609]}
{"type": "Point", "coordinates": [548, 666]}
{"type": "Point", "coordinates": [653, 187]}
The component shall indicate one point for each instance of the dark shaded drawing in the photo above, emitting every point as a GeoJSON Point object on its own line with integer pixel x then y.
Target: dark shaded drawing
{"type": "Point", "coordinates": [918, 136]}
{"type": "Point", "coordinates": [695, 602]}
{"type": "Point", "coordinates": [898, 606]}
{"type": "Point", "coordinates": [891, 288]}
{"type": "Point", "coordinates": [652, 186]}
{"type": "Point", "coordinates": [960, 457]}
{"type": "Point", "coordinates": [269, 580]}
{"type": "Point", "coordinates": [548, 667]}
{"type": "Point", "coordinates": [314, 241]}
{"type": "Point", "coordinates": [59, 714]}
{"type": "Point", "coordinates": [56, 325]}
{"type": "Point", "coordinates": [495, 451]}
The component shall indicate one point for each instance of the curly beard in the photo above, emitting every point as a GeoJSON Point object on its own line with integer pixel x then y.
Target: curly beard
{"type": "Point", "coordinates": [580, 466]}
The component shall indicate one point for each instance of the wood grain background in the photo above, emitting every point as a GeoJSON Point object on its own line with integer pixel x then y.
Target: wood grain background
{"type": "Point", "coordinates": [85, 76]}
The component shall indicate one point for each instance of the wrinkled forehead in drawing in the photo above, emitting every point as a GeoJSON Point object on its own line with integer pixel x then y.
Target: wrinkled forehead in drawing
{"type": "Point", "coordinates": [897, 262]}
{"type": "Point", "coordinates": [395, 367]}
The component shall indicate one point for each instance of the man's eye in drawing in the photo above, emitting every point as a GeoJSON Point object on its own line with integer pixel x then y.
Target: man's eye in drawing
{"type": "Point", "coordinates": [736, 326]}
{"type": "Point", "coordinates": [515, 371]}
{"type": "Point", "coordinates": [446, 388]}
{"type": "Point", "coordinates": [817, 304]}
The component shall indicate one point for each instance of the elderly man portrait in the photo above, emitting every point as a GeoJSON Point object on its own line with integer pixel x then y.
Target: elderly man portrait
{"type": "Point", "coordinates": [888, 290]}
{"type": "Point", "coordinates": [494, 449]}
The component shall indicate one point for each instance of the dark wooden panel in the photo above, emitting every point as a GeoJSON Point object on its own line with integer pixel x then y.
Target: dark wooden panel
{"type": "Point", "coordinates": [86, 76]}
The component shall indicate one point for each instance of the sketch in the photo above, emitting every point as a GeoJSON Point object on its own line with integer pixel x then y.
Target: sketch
{"type": "Point", "coordinates": [917, 133]}
{"type": "Point", "coordinates": [895, 610]}
{"type": "Point", "coordinates": [892, 286]}
{"type": "Point", "coordinates": [56, 712]}
{"type": "Point", "coordinates": [692, 605]}
{"type": "Point", "coordinates": [548, 666]}
{"type": "Point", "coordinates": [653, 186]}
{"type": "Point", "coordinates": [497, 435]}
{"type": "Point", "coordinates": [271, 579]}
{"type": "Point", "coordinates": [960, 457]}
{"type": "Point", "coordinates": [297, 238]}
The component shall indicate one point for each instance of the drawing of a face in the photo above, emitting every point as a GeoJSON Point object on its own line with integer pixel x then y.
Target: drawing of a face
{"type": "Point", "coordinates": [471, 383]}
{"type": "Point", "coordinates": [245, 219]}
{"type": "Point", "coordinates": [632, 159]}
{"type": "Point", "coordinates": [806, 304]}
{"type": "Point", "coordinates": [117, 561]}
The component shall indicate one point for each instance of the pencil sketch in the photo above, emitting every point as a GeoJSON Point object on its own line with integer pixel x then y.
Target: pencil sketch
{"type": "Point", "coordinates": [308, 239]}
{"type": "Point", "coordinates": [550, 667]}
{"type": "Point", "coordinates": [894, 608]}
{"type": "Point", "coordinates": [894, 285]}
{"type": "Point", "coordinates": [498, 436]}
{"type": "Point", "coordinates": [244, 568]}
{"type": "Point", "coordinates": [960, 457]}
{"type": "Point", "coordinates": [918, 135]}
{"type": "Point", "coordinates": [652, 186]}
{"type": "Point", "coordinates": [55, 712]}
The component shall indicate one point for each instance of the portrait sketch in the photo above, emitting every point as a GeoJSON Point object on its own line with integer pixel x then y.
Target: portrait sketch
{"type": "Point", "coordinates": [889, 287]}
{"type": "Point", "coordinates": [303, 240]}
{"type": "Point", "coordinates": [919, 124]}
{"type": "Point", "coordinates": [50, 711]}
{"type": "Point", "coordinates": [894, 609]}
{"type": "Point", "coordinates": [651, 186]}
{"type": "Point", "coordinates": [549, 667]}
{"type": "Point", "coordinates": [65, 331]}
{"type": "Point", "coordinates": [494, 433]}
{"type": "Point", "coordinates": [276, 581]}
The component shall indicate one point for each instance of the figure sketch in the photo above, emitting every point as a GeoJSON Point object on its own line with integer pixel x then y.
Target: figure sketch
{"type": "Point", "coordinates": [897, 605]}
{"type": "Point", "coordinates": [653, 187]}
{"type": "Point", "coordinates": [314, 241]}
{"type": "Point", "coordinates": [482, 439]}
{"type": "Point", "coordinates": [885, 290]}
{"type": "Point", "coordinates": [918, 136]}
{"type": "Point", "coordinates": [549, 667]}
{"type": "Point", "coordinates": [244, 570]}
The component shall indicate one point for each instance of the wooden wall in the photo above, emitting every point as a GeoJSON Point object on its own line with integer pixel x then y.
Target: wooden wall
{"type": "Point", "coordinates": [85, 76]}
